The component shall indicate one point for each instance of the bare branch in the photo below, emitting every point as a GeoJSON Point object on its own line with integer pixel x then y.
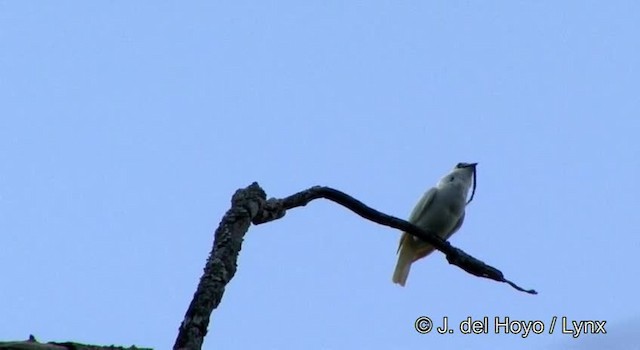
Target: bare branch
{"type": "Point", "coordinates": [249, 205]}
{"type": "Point", "coordinates": [276, 208]}
{"type": "Point", "coordinates": [221, 265]}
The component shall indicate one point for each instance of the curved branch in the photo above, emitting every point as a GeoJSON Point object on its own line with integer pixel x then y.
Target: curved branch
{"type": "Point", "coordinates": [249, 205]}
{"type": "Point", "coordinates": [276, 208]}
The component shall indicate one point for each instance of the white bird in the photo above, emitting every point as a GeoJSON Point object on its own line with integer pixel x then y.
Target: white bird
{"type": "Point", "coordinates": [441, 211]}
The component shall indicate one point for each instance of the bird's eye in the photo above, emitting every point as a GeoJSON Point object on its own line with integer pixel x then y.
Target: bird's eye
{"type": "Point", "coordinates": [452, 178]}
{"type": "Point", "coordinates": [460, 165]}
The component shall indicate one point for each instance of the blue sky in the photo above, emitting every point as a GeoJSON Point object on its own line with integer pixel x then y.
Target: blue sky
{"type": "Point", "coordinates": [125, 127]}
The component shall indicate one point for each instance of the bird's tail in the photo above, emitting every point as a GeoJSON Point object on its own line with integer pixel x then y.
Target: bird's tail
{"type": "Point", "coordinates": [406, 256]}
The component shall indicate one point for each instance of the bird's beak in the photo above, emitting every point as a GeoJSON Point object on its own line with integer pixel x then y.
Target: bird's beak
{"type": "Point", "coordinates": [471, 165]}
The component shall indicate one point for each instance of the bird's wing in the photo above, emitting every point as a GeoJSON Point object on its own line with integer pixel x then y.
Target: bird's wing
{"type": "Point", "coordinates": [423, 205]}
{"type": "Point", "coordinates": [420, 208]}
{"type": "Point", "coordinates": [456, 227]}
